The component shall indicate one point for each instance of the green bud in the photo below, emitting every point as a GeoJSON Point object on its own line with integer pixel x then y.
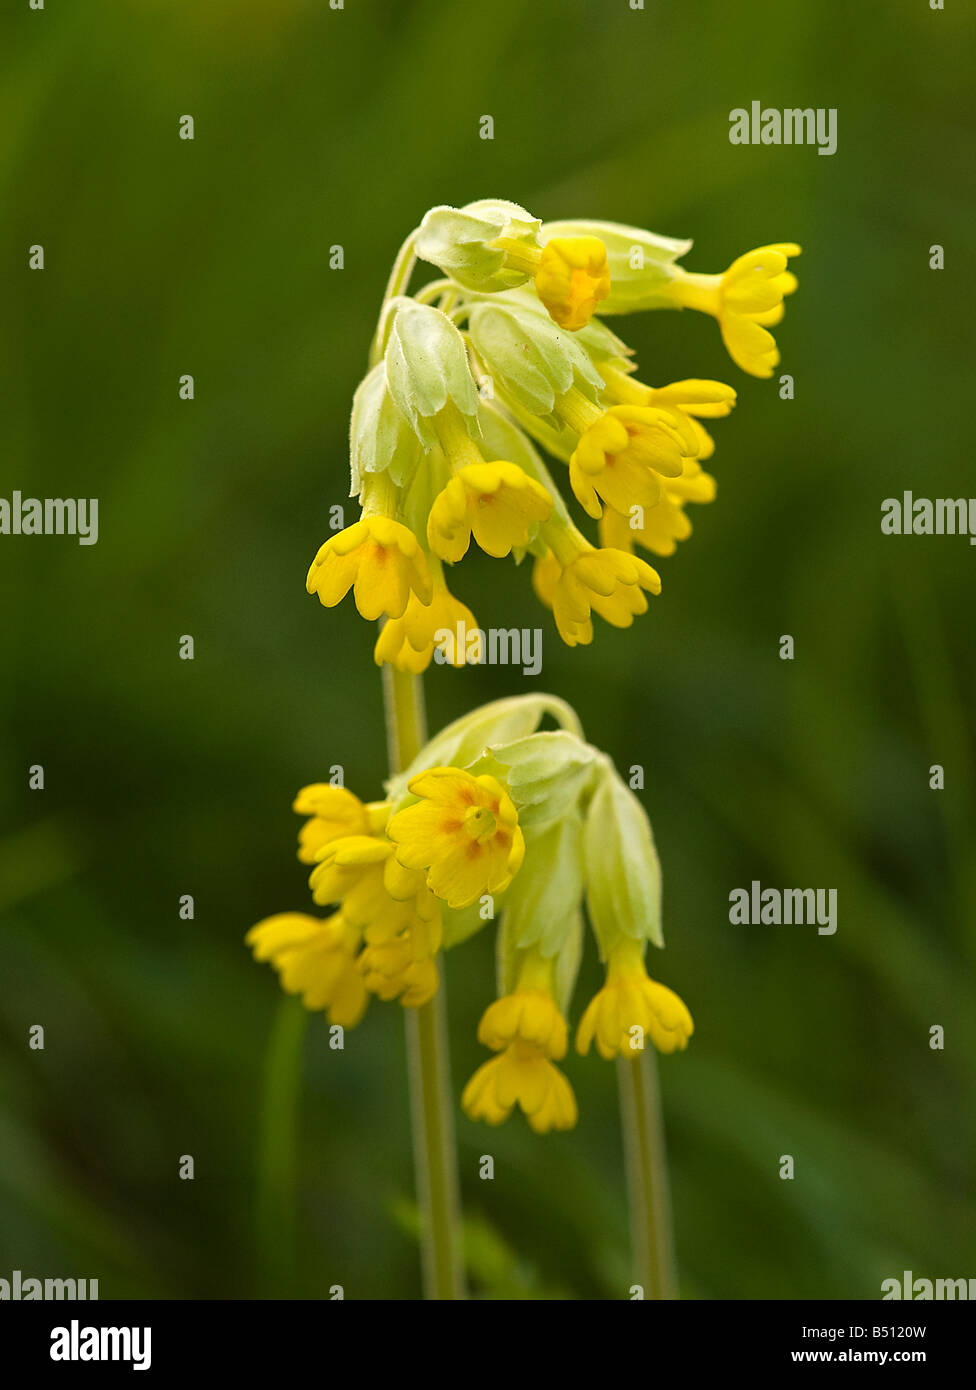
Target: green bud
{"type": "Point", "coordinates": [461, 242]}
{"type": "Point", "coordinates": [380, 438]}
{"type": "Point", "coordinates": [530, 357]}
{"type": "Point", "coordinates": [427, 366]}
{"type": "Point", "coordinates": [623, 876]}
{"type": "Point", "coordinates": [641, 263]}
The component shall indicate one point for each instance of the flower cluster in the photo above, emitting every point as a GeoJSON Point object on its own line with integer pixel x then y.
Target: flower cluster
{"type": "Point", "coordinates": [493, 819]}
{"type": "Point", "coordinates": [502, 356]}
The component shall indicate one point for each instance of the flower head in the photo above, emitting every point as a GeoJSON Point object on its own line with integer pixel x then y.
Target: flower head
{"type": "Point", "coordinates": [747, 301]}
{"type": "Point", "coordinates": [316, 959]}
{"type": "Point", "coordinates": [464, 831]}
{"type": "Point", "coordinates": [571, 279]}
{"type": "Point", "coordinates": [379, 559]}
{"type": "Point", "coordinates": [497, 503]}
{"type": "Point", "coordinates": [632, 1006]}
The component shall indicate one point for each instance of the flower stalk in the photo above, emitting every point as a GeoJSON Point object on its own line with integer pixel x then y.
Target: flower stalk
{"type": "Point", "coordinates": [648, 1186]}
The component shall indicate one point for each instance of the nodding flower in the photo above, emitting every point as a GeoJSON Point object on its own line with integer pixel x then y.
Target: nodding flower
{"type": "Point", "coordinates": [747, 300]}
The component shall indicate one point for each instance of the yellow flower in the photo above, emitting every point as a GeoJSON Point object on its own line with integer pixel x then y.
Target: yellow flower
{"type": "Point", "coordinates": [352, 871]}
{"type": "Point", "coordinates": [530, 1014]}
{"type": "Point", "coordinates": [316, 959]}
{"type": "Point", "coordinates": [663, 525]}
{"type": "Point", "coordinates": [522, 1075]}
{"type": "Point", "coordinates": [498, 503]}
{"type": "Point", "coordinates": [623, 455]}
{"type": "Point", "coordinates": [390, 971]}
{"type": "Point", "coordinates": [571, 279]}
{"type": "Point", "coordinates": [747, 301]}
{"type": "Point", "coordinates": [575, 579]}
{"type": "Point", "coordinates": [688, 402]}
{"type": "Point", "coordinates": [333, 812]}
{"type": "Point", "coordinates": [407, 643]}
{"type": "Point", "coordinates": [464, 831]}
{"type": "Point", "coordinates": [632, 1006]}
{"type": "Point", "coordinates": [379, 559]}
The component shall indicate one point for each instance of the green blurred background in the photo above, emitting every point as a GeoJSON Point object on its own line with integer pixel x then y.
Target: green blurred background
{"type": "Point", "coordinates": [165, 777]}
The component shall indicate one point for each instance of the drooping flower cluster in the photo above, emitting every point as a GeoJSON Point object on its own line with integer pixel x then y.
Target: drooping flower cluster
{"type": "Point", "coordinates": [504, 354]}
{"type": "Point", "coordinates": [495, 819]}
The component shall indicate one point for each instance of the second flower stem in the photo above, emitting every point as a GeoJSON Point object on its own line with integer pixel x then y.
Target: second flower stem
{"type": "Point", "coordinates": [648, 1188]}
{"type": "Point", "coordinates": [427, 1056]}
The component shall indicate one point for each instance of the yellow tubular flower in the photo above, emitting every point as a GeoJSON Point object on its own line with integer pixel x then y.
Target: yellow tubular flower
{"type": "Point", "coordinates": [663, 525]}
{"type": "Point", "coordinates": [575, 579]}
{"type": "Point", "coordinates": [464, 831]}
{"type": "Point", "coordinates": [747, 301]}
{"type": "Point", "coordinates": [498, 503]}
{"type": "Point", "coordinates": [351, 872]}
{"type": "Point", "coordinates": [316, 959]}
{"type": "Point", "coordinates": [571, 279]}
{"type": "Point", "coordinates": [379, 559]}
{"type": "Point", "coordinates": [530, 1013]}
{"type": "Point", "coordinates": [521, 1075]}
{"type": "Point", "coordinates": [631, 1001]}
{"type": "Point", "coordinates": [621, 458]}
{"type": "Point", "coordinates": [390, 971]}
{"type": "Point", "coordinates": [690, 401]}
{"type": "Point", "coordinates": [407, 643]}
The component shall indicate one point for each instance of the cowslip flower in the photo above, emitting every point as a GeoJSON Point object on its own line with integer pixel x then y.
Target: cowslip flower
{"type": "Point", "coordinates": [571, 278]}
{"type": "Point", "coordinates": [690, 400]}
{"type": "Point", "coordinates": [491, 245]}
{"type": "Point", "coordinates": [575, 580]}
{"type": "Point", "coordinates": [317, 959]}
{"type": "Point", "coordinates": [408, 642]}
{"type": "Point", "coordinates": [528, 1030]}
{"type": "Point", "coordinates": [379, 559]}
{"type": "Point", "coordinates": [747, 300]}
{"type": "Point", "coordinates": [659, 528]}
{"type": "Point", "coordinates": [632, 1006]}
{"type": "Point", "coordinates": [497, 503]}
{"type": "Point", "coordinates": [463, 830]}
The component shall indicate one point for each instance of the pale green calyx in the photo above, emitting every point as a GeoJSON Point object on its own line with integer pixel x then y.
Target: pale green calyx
{"type": "Point", "coordinates": [496, 724]}
{"type": "Point", "coordinates": [380, 437]}
{"type": "Point", "coordinates": [479, 245]}
{"type": "Point", "coordinates": [623, 875]}
{"type": "Point", "coordinates": [642, 264]}
{"type": "Point", "coordinates": [426, 367]}
{"type": "Point", "coordinates": [532, 360]}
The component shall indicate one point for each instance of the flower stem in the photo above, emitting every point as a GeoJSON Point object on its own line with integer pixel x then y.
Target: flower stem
{"type": "Point", "coordinates": [428, 1069]}
{"type": "Point", "coordinates": [275, 1209]}
{"type": "Point", "coordinates": [648, 1189]}
{"type": "Point", "coordinates": [396, 285]}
